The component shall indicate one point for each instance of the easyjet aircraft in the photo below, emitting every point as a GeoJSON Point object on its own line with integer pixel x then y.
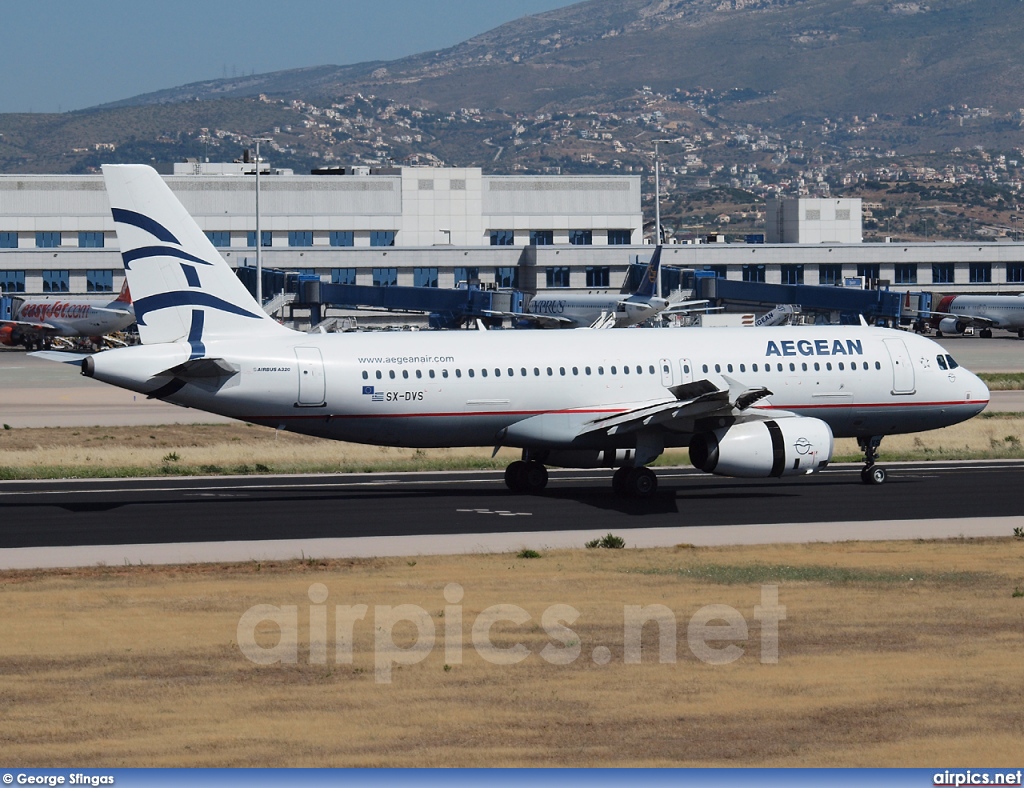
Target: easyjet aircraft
{"type": "Point", "coordinates": [35, 321]}
{"type": "Point", "coordinates": [747, 402]}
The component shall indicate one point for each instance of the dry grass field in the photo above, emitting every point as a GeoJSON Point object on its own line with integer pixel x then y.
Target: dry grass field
{"type": "Point", "coordinates": [890, 654]}
{"type": "Point", "coordinates": [245, 448]}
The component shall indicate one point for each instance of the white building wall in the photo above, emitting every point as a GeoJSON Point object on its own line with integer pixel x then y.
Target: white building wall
{"type": "Point", "coordinates": [814, 220]}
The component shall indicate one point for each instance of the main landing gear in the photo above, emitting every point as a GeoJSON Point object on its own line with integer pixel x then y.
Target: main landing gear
{"type": "Point", "coordinates": [530, 476]}
{"type": "Point", "coordinates": [526, 477]}
{"type": "Point", "coordinates": [871, 474]}
{"type": "Point", "coordinates": [629, 482]}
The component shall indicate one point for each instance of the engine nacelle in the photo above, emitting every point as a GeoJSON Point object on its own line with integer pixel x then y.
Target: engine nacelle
{"type": "Point", "coordinates": [756, 449]}
{"type": "Point", "coordinates": [7, 335]}
{"type": "Point", "coordinates": [950, 325]}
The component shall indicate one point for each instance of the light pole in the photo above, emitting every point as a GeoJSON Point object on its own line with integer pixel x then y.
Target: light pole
{"type": "Point", "coordinates": [657, 193]}
{"type": "Point", "coordinates": [1014, 219]}
{"type": "Point", "coordinates": [259, 236]}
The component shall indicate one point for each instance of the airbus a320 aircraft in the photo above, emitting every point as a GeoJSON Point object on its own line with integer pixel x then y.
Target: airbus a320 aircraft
{"type": "Point", "coordinates": [754, 403]}
{"type": "Point", "coordinates": [578, 310]}
{"type": "Point", "coordinates": [955, 313]}
{"type": "Point", "coordinates": [35, 321]}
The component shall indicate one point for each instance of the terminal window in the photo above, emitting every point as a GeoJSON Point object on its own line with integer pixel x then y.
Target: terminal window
{"type": "Point", "coordinates": [753, 273]}
{"type": "Point", "coordinates": [581, 237]}
{"type": "Point", "coordinates": [12, 281]}
{"type": "Point", "coordinates": [830, 274]}
{"type": "Point", "coordinates": [506, 276]}
{"type": "Point", "coordinates": [90, 240]}
{"type": "Point", "coordinates": [266, 238]}
{"type": "Point", "coordinates": [424, 277]}
{"type": "Point", "coordinates": [542, 237]}
{"type": "Point", "coordinates": [47, 240]}
{"type": "Point", "coordinates": [343, 276]}
{"type": "Point", "coordinates": [905, 273]}
{"type": "Point", "coordinates": [792, 274]}
{"type": "Point", "coordinates": [981, 273]}
{"type": "Point", "coordinates": [620, 237]}
{"type": "Point", "coordinates": [382, 238]}
{"type": "Point", "coordinates": [99, 281]}
{"type": "Point", "coordinates": [869, 270]}
{"type": "Point", "coordinates": [300, 237]}
{"type": "Point", "coordinates": [342, 238]}
{"type": "Point", "coordinates": [598, 275]}
{"type": "Point", "coordinates": [385, 277]}
{"type": "Point", "coordinates": [56, 281]}
{"type": "Point", "coordinates": [467, 274]}
{"type": "Point", "coordinates": [557, 275]}
{"type": "Point", "coordinates": [943, 273]}
{"type": "Point", "coordinates": [219, 238]}
{"type": "Point", "coordinates": [8, 240]}
{"type": "Point", "coordinates": [503, 238]}
{"type": "Point", "coordinates": [1015, 272]}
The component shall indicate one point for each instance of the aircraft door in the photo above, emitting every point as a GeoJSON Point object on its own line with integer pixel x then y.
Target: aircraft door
{"type": "Point", "coordinates": [312, 385]}
{"type": "Point", "coordinates": [666, 372]}
{"type": "Point", "coordinates": [685, 371]}
{"type": "Point", "coordinates": [902, 368]}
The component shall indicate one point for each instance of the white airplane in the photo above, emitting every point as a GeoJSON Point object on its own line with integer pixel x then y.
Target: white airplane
{"type": "Point", "coordinates": [35, 321]}
{"type": "Point", "coordinates": [747, 403]}
{"type": "Point", "coordinates": [955, 313]}
{"type": "Point", "coordinates": [604, 310]}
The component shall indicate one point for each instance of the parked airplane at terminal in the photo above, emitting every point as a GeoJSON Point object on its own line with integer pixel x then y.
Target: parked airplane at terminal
{"type": "Point", "coordinates": [956, 313]}
{"type": "Point", "coordinates": [35, 321]}
{"type": "Point", "coordinates": [747, 402]}
{"type": "Point", "coordinates": [600, 310]}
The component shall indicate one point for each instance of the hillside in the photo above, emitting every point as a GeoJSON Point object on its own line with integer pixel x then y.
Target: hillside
{"type": "Point", "coordinates": [814, 58]}
{"type": "Point", "coordinates": [757, 97]}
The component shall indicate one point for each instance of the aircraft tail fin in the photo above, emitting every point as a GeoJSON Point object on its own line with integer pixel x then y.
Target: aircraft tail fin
{"type": "Point", "coordinates": [649, 284]}
{"type": "Point", "coordinates": [182, 288]}
{"type": "Point", "coordinates": [125, 296]}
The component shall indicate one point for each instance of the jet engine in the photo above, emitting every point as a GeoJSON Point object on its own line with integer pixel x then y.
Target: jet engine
{"type": "Point", "coordinates": [7, 335]}
{"type": "Point", "coordinates": [950, 325]}
{"type": "Point", "coordinates": [755, 449]}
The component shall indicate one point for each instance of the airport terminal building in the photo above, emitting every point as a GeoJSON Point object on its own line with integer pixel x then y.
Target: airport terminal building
{"type": "Point", "coordinates": [435, 227]}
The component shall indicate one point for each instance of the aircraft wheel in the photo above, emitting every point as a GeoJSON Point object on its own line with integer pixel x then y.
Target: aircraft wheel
{"type": "Point", "coordinates": [619, 482]}
{"type": "Point", "coordinates": [515, 476]}
{"type": "Point", "coordinates": [874, 474]}
{"type": "Point", "coordinates": [535, 477]}
{"type": "Point", "coordinates": [986, 333]}
{"type": "Point", "coordinates": [1020, 333]}
{"type": "Point", "coordinates": [641, 483]}
{"type": "Point", "coordinates": [938, 335]}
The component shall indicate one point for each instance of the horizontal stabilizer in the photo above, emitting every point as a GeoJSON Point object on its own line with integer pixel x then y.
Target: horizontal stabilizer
{"type": "Point", "coordinates": [61, 356]}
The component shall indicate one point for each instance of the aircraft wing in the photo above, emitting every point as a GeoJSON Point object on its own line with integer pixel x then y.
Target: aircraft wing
{"type": "Point", "coordinates": [685, 306]}
{"type": "Point", "coordinates": [972, 320]}
{"type": "Point", "coordinates": [108, 311]}
{"type": "Point", "coordinates": [541, 321]}
{"type": "Point", "coordinates": [30, 323]}
{"type": "Point", "coordinates": [694, 400]}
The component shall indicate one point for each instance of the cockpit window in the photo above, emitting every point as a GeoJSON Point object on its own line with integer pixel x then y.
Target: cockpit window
{"type": "Point", "coordinates": [942, 361]}
{"type": "Point", "coordinates": [951, 362]}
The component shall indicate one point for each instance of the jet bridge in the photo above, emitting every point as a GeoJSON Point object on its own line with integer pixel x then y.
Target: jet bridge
{"type": "Point", "coordinates": [446, 308]}
{"type": "Point", "coordinates": [849, 302]}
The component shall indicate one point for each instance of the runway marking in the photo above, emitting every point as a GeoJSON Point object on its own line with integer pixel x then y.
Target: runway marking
{"type": "Point", "coordinates": [500, 512]}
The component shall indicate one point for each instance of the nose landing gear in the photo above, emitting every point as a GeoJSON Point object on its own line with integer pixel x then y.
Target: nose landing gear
{"type": "Point", "coordinates": [871, 474]}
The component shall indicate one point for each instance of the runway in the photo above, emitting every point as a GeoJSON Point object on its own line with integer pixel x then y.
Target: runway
{"type": "Point", "coordinates": [262, 518]}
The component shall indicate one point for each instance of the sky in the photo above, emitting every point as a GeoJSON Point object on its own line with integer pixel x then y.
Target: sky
{"type": "Point", "coordinates": [61, 55]}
